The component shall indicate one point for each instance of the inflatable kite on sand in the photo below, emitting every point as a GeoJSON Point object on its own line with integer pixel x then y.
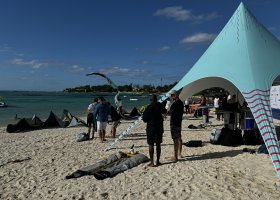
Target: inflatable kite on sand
{"type": "Point", "coordinates": [33, 123]}
{"type": "Point", "coordinates": [111, 166]}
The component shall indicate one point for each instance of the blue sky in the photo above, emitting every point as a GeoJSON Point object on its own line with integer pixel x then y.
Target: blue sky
{"type": "Point", "coordinates": [49, 45]}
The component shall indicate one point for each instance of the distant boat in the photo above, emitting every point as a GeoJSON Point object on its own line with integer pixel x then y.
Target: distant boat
{"type": "Point", "coordinates": [133, 99]}
{"type": "Point", "coordinates": [3, 104]}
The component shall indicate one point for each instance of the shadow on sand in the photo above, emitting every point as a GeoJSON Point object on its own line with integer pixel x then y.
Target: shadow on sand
{"type": "Point", "coordinates": [213, 155]}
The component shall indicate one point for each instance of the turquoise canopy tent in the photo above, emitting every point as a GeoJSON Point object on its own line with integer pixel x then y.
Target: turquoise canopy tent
{"type": "Point", "coordinates": [243, 59]}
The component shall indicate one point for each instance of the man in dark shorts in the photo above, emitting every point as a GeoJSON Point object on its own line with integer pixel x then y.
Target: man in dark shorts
{"type": "Point", "coordinates": [154, 119]}
{"type": "Point", "coordinates": [91, 122]}
{"type": "Point", "coordinates": [116, 118]}
{"type": "Point", "coordinates": [176, 117]}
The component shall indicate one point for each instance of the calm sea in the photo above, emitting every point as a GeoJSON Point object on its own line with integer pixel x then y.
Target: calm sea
{"type": "Point", "coordinates": [26, 104]}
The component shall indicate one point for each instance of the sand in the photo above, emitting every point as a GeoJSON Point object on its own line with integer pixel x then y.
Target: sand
{"type": "Point", "coordinates": [33, 165]}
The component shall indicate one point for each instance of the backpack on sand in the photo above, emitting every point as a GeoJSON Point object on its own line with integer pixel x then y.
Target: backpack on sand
{"type": "Point", "coordinates": [215, 135]}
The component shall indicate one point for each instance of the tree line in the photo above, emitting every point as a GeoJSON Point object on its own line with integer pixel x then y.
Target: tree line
{"type": "Point", "coordinates": [122, 88]}
{"type": "Point", "coordinates": [211, 92]}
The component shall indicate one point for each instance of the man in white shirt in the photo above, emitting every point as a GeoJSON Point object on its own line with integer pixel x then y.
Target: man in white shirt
{"type": "Point", "coordinates": [118, 102]}
{"type": "Point", "coordinates": [216, 106]}
{"type": "Point", "coordinates": [187, 105]}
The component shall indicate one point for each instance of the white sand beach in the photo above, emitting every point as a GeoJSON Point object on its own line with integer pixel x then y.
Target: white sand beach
{"type": "Point", "coordinates": [33, 165]}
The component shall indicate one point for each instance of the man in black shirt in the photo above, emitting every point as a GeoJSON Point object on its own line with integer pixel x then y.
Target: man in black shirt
{"type": "Point", "coordinates": [116, 118]}
{"type": "Point", "coordinates": [176, 117]}
{"type": "Point", "coordinates": [154, 119]}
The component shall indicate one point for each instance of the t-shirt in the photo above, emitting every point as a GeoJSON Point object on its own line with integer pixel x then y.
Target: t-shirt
{"type": "Point", "coordinates": [216, 103]}
{"type": "Point", "coordinates": [203, 101]}
{"type": "Point", "coordinates": [168, 104]}
{"type": "Point", "coordinates": [101, 112]}
{"type": "Point", "coordinates": [153, 117]}
{"type": "Point", "coordinates": [177, 111]}
{"type": "Point", "coordinates": [114, 114]}
{"type": "Point", "coordinates": [91, 107]}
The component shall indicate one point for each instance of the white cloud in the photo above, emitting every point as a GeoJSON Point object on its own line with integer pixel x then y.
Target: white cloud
{"type": "Point", "coordinates": [76, 68]}
{"type": "Point", "coordinates": [199, 38]}
{"type": "Point", "coordinates": [151, 63]}
{"type": "Point", "coordinates": [175, 12]}
{"type": "Point", "coordinates": [180, 14]}
{"type": "Point", "coordinates": [5, 48]}
{"type": "Point", "coordinates": [206, 17]}
{"type": "Point", "coordinates": [20, 54]}
{"type": "Point", "coordinates": [123, 71]}
{"type": "Point", "coordinates": [33, 63]}
{"type": "Point", "coordinates": [10, 50]}
{"type": "Point", "coordinates": [164, 48]}
{"type": "Point", "coordinates": [144, 62]}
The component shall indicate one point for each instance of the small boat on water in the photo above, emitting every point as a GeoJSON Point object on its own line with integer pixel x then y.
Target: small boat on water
{"type": "Point", "coordinates": [133, 99]}
{"type": "Point", "coordinates": [3, 104]}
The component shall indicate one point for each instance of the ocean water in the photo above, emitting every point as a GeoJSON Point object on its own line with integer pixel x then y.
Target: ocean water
{"type": "Point", "coordinates": [26, 104]}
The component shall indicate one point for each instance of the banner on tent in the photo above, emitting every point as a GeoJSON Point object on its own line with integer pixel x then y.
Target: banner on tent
{"type": "Point", "coordinates": [275, 101]}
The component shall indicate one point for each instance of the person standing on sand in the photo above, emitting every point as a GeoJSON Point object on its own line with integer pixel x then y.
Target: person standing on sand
{"type": "Point", "coordinates": [91, 122]}
{"type": "Point", "coordinates": [187, 105]}
{"type": "Point", "coordinates": [154, 119]}
{"type": "Point", "coordinates": [176, 117]}
{"type": "Point", "coordinates": [116, 118]}
{"type": "Point", "coordinates": [217, 107]}
{"type": "Point", "coordinates": [118, 102]}
{"type": "Point", "coordinates": [101, 113]}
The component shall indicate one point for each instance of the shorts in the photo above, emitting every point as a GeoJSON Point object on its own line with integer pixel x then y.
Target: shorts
{"type": "Point", "coordinates": [90, 119]}
{"type": "Point", "coordinates": [115, 123]}
{"type": "Point", "coordinates": [175, 132]}
{"type": "Point", "coordinates": [154, 137]}
{"type": "Point", "coordinates": [101, 125]}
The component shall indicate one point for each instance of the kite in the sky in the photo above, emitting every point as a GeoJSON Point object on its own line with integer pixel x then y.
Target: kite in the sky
{"type": "Point", "coordinates": [104, 76]}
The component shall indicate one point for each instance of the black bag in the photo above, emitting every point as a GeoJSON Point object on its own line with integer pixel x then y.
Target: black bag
{"type": "Point", "coordinates": [238, 140]}
{"type": "Point", "coordinates": [227, 137]}
{"type": "Point", "coordinates": [194, 143]}
{"type": "Point", "coordinates": [252, 137]}
{"type": "Point", "coordinates": [82, 137]}
{"type": "Point", "coordinates": [215, 136]}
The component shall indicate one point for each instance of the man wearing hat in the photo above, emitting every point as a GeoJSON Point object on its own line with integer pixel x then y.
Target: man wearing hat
{"type": "Point", "coordinates": [176, 116]}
